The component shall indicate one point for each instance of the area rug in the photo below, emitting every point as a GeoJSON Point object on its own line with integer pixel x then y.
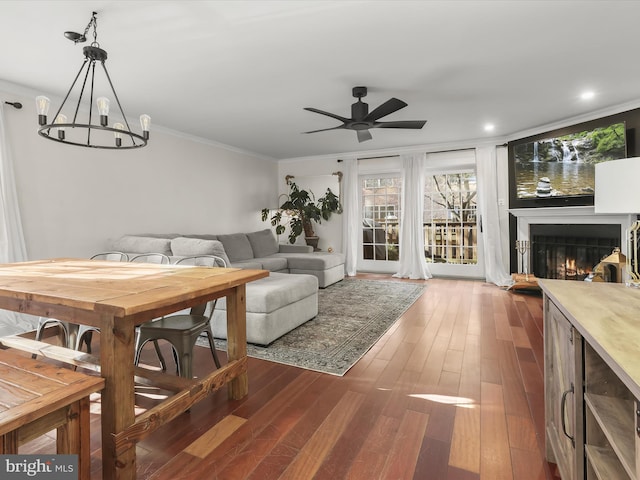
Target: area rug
{"type": "Point", "coordinates": [352, 315]}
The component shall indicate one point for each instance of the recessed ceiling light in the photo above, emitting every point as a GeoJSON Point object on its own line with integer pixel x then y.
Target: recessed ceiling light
{"type": "Point", "coordinates": [489, 127]}
{"type": "Point", "coordinates": [588, 95]}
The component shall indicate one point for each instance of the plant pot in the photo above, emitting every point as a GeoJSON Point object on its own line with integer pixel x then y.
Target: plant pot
{"type": "Point", "coordinates": [312, 241]}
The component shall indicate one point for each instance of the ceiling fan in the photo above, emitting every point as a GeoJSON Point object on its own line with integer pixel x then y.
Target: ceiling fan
{"type": "Point", "coordinates": [361, 120]}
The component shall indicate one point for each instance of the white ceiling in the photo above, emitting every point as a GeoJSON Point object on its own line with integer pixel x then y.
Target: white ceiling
{"type": "Point", "coordinates": [240, 72]}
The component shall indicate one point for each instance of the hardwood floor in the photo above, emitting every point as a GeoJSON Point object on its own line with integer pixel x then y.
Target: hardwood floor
{"type": "Point", "coordinates": [453, 391]}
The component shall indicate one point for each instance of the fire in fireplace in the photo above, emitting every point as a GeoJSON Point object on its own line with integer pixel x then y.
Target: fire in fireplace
{"type": "Point", "coordinates": [570, 252]}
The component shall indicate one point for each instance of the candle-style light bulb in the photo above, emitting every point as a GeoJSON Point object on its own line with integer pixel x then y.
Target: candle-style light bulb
{"type": "Point", "coordinates": [42, 107]}
{"type": "Point", "coordinates": [61, 118]}
{"type": "Point", "coordinates": [118, 134]}
{"type": "Point", "coordinates": [103, 110]}
{"type": "Point", "coordinates": [145, 123]}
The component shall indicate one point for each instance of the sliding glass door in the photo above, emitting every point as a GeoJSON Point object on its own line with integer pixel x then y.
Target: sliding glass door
{"type": "Point", "coordinates": [380, 201]}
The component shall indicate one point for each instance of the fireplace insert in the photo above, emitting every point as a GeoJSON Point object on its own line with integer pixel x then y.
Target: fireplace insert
{"type": "Point", "coordinates": [570, 252]}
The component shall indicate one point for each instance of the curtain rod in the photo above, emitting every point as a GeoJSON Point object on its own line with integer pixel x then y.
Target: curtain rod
{"type": "Point", "coordinates": [16, 105]}
{"type": "Point", "coordinates": [438, 151]}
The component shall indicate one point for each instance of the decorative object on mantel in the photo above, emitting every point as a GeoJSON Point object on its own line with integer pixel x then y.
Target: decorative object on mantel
{"type": "Point", "coordinates": [98, 135]}
{"type": "Point", "coordinates": [299, 210]}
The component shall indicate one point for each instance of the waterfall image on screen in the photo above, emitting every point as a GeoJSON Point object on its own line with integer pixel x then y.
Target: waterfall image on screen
{"type": "Point", "coordinates": [564, 166]}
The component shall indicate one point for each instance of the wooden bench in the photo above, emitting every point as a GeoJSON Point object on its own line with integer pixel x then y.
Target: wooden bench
{"type": "Point", "coordinates": [37, 397]}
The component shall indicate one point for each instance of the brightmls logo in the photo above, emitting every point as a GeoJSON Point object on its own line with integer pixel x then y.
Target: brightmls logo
{"type": "Point", "coordinates": [50, 467]}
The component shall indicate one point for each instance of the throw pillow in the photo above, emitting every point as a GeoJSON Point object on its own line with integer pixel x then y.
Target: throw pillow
{"type": "Point", "coordinates": [237, 246]}
{"type": "Point", "coordinates": [139, 244]}
{"type": "Point", "coordinates": [184, 247]}
{"type": "Point", "coordinates": [263, 243]}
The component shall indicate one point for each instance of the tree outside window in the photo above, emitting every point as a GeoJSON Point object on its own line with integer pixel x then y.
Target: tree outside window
{"type": "Point", "coordinates": [381, 218]}
{"type": "Point", "coordinates": [450, 218]}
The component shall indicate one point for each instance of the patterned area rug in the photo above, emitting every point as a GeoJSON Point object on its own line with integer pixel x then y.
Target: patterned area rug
{"type": "Point", "coordinates": [352, 315]}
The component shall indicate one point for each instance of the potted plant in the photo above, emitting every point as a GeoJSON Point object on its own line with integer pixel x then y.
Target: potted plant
{"type": "Point", "coordinates": [302, 209]}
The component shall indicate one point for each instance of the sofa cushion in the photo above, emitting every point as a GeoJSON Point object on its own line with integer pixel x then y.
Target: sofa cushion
{"type": "Point", "coordinates": [139, 244]}
{"type": "Point", "coordinates": [273, 263]}
{"type": "Point", "coordinates": [237, 246]}
{"type": "Point", "coordinates": [314, 261]}
{"type": "Point", "coordinates": [276, 291]}
{"type": "Point", "coordinates": [203, 236]}
{"type": "Point", "coordinates": [183, 247]}
{"type": "Point", "coordinates": [263, 243]}
{"type": "Point", "coordinates": [248, 264]}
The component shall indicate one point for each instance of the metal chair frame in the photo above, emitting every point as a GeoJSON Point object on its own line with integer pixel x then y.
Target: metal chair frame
{"type": "Point", "coordinates": [183, 330]}
{"type": "Point", "coordinates": [71, 331]}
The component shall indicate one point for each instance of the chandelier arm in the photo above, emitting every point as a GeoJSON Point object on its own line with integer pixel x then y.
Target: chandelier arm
{"type": "Point", "coordinates": [93, 76]}
{"type": "Point", "coordinates": [84, 83]}
{"type": "Point", "coordinates": [69, 92]}
{"type": "Point", "coordinates": [106, 72]}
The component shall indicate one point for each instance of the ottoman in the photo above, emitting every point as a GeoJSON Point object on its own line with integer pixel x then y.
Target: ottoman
{"type": "Point", "coordinates": [275, 305]}
{"type": "Point", "coordinates": [327, 267]}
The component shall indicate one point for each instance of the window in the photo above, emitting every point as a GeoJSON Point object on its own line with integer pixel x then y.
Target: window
{"type": "Point", "coordinates": [381, 217]}
{"type": "Point", "coordinates": [450, 227]}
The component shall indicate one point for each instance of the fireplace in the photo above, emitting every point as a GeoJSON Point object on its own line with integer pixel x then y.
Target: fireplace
{"type": "Point", "coordinates": [570, 251]}
{"type": "Point", "coordinates": [571, 219]}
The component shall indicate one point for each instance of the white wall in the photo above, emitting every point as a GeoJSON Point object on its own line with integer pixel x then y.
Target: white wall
{"type": "Point", "coordinates": [74, 200]}
{"type": "Point", "coordinates": [330, 232]}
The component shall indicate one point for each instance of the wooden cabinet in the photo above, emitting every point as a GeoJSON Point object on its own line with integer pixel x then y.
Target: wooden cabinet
{"type": "Point", "coordinates": [563, 388]}
{"type": "Point", "coordinates": [592, 342]}
{"type": "Point", "coordinates": [610, 422]}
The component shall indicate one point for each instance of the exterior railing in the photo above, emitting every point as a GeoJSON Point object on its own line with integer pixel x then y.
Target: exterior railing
{"type": "Point", "coordinates": [445, 242]}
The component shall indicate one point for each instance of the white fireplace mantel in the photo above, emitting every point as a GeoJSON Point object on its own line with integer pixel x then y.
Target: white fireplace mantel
{"type": "Point", "coordinates": [568, 215]}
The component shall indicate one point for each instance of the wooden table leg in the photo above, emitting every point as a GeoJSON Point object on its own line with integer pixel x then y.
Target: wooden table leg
{"type": "Point", "coordinates": [74, 436]}
{"type": "Point", "coordinates": [9, 443]}
{"type": "Point", "coordinates": [237, 338]}
{"type": "Point", "coordinates": [116, 362]}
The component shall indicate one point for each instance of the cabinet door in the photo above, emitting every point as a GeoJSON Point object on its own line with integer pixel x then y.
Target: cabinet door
{"type": "Point", "coordinates": [563, 393]}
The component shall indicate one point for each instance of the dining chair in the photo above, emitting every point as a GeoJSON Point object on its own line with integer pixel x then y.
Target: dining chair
{"type": "Point", "coordinates": [70, 331]}
{"type": "Point", "coordinates": [182, 330]}
{"type": "Point", "coordinates": [111, 256]}
{"type": "Point", "coordinates": [159, 258]}
{"type": "Point", "coordinates": [85, 332]}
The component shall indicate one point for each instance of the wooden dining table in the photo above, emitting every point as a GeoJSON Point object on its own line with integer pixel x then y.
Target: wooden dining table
{"type": "Point", "coordinates": [115, 297]}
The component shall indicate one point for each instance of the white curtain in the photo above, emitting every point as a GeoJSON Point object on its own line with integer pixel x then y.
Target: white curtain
{"type": "Point", "coordinates": [412, 261]}
{"type": "Point", "coordinates": [486, 164]}
{"type": "Point", "coordinates": [351, 229]}
{"type": "Point", "coordinates": [12, 244]}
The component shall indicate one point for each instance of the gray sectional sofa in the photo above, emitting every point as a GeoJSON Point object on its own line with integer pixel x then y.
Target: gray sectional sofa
{"type": "Point", "coordinates": [254, 250]}
{"type": "Point", "coordinates": [276, 304]}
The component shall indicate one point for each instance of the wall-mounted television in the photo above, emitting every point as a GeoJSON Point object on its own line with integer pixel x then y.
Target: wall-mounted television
{"type": "Point", "coordinates": [558, 168]}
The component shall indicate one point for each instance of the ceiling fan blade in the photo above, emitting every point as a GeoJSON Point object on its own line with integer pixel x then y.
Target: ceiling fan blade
{"type": "Point", "coordinates": [415, 124]}
{"type": "Point", "coordinates": [388, 107]}
{"type": "Point", "coordinates": [363, 135]}
{"type": "Point", "coordinates": [332, 115]}
{"type": "Point", "coordinates": [325, 129]}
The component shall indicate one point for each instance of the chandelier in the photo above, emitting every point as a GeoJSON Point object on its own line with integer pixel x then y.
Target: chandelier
{"type": "Point", "coordinates": [118, 135]}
